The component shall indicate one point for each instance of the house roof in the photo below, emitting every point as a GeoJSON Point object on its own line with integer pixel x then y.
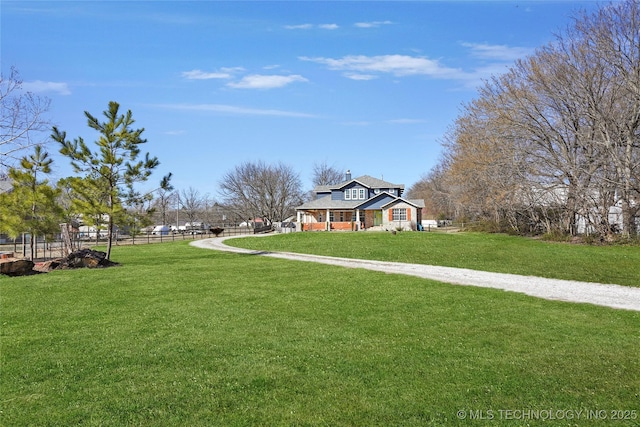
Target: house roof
{"type": "Point", "coordinates": [365, 180]}
{"type": "Point", "coordinates": [327, 203]}
{"type": "Point", "coordinates": [416, 203]}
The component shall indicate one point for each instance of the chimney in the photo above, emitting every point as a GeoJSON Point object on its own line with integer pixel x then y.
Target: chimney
{"type": "Point", "coordinates": [348, 175]}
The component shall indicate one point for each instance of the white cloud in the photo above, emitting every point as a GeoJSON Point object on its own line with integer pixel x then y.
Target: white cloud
{"type": "Point", "coordinates": [372, 24]}
{"type": "Point", "coordinates": [312, 26]}
{"type": "Point", "coordinates": [232, 109]}
{"type": "Point", "coordinates": [498, 59]}
{"type": "Point", "coordinates": [299, 27]}
{"type": "Point", "coordinates": [225, 73]}
{"type": "Point", "coordinates": [497, 52]}
{"type": "Point", "coordinates": [40, 86]}
{"type": "Point", "coordinates": [258, 81]}
{"type": "Point", "coordinates": [357, 76]}
{"type": "Point", "coordinates": [398, 65]}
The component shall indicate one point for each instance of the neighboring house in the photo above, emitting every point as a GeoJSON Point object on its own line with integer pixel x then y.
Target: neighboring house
{"type": "Point", "coordinates": [363, 203]}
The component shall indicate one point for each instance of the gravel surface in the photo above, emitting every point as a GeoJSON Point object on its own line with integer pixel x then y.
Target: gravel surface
{"type": "Point", "coordinates": [615, 296]}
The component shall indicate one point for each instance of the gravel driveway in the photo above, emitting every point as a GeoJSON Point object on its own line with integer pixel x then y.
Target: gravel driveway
{"type": "Point", "coordinates": [616, 296]}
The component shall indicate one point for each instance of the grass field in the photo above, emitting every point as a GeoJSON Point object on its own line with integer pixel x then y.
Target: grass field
{"type": "Point", "coordinates": [478, 251]}
{"type": "Point", "coordinates": [184, 336]}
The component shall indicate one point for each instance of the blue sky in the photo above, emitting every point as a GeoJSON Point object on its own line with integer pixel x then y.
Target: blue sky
{"type": "Point", "coordinates": [366, 86]}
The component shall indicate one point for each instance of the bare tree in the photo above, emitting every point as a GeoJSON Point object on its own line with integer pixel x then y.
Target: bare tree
{"type": "Point", "coordinates": [22, 120]}
{"type": "Point", "coordinates": [255, 190]}
{"type": "Point", "coordinates": [192, 204]}
{"type": "Point", "coordinates": [434, 190]}
{"type": "Point", "coordinates": [165, 198]}
{"type": "Point", "coordinates": [612, 39]}
{"type": "Point", "coordinates": [555, 141]}
{"type": "Point", "coordinates": [324, 174]}
{"type": "Point", "coordinates": [212, 212]}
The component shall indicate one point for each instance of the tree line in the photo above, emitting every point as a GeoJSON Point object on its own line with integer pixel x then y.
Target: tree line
{"type": "Point", "coordinates": [553, 144]}
{"type": "Point", "coordinates": [104, 192]}
{"type": "Point", "coordinates": [550, 146]}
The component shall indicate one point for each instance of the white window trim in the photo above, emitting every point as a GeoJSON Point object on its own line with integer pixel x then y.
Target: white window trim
{"type": "Point", "coordinates": [398, 213]}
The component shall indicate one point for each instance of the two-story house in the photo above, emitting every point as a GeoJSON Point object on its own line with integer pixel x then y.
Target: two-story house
{"type": "Point", "coordinates": [363, 203]}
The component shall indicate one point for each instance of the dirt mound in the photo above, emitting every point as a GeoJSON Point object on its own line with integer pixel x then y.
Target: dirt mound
{"type": "Point", "coordinates": [16, 267]}
{"type": "Point", "coordinates": [83, 258]}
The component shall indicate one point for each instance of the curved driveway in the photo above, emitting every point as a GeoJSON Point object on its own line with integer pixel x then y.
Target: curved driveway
{"type": "Point", "coordinates": [615, 296]}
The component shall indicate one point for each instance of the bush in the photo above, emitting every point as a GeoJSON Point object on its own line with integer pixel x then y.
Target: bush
{"type": "Point", "coordinates": [556, 236]}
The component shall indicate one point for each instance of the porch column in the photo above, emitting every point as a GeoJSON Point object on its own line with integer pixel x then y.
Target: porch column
{"type": "Point", "coordinates": [328, 223]}
{"type": "Point", "coordinates": [297, 216]}
{"type": "Point", "coordinates": [357, 219]}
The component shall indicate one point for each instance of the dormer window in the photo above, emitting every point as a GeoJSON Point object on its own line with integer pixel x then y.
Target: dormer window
{"type": "Point", "coordinates": [355, 194]}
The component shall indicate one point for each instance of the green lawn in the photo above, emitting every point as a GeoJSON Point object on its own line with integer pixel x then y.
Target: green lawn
{"type": "Point", "coordinates": [478, 251]}
{"type": "Point", "coordinates": [186, 336]}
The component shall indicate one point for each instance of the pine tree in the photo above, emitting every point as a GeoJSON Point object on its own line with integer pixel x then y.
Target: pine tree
{"type": "Point", "coordinates": [112, 171]}
{"type": "Point", "coordinates": [31, 207]}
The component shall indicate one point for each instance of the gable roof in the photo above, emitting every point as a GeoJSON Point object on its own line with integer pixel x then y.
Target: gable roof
{"type": "Point", "coordinates": [364, 180]}
{"type": "Point", "coordinates": [377, 201]}
{"type": "Point", "coordinates": [327, 203]}
{"type": "Point", "coordinates": [416, 203]}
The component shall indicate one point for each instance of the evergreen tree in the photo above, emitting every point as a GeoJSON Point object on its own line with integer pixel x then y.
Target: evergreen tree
{"type": "Point", "coordinates": [31, 207]}
{"type": "Point", "coordinates": [112, 171]}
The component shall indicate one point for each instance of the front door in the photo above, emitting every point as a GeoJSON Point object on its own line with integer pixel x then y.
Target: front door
{"type": "Point", "coordinates": [377, 218]}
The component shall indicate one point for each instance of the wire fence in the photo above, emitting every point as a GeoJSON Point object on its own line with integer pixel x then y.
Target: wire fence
{"type": "Point", "coordinates": [59, 247]}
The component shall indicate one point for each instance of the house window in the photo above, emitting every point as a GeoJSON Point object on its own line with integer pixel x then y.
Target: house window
{"type": "Point", "coordinates": [347, 194]}
{"type": "Point", "coordinates": [399, 214]}
{"type": "Point", "coordinates": [361, 194]}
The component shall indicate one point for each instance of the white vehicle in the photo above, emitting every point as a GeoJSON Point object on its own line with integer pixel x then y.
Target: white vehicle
{"type": "Point", "coordinates": [161, 230]}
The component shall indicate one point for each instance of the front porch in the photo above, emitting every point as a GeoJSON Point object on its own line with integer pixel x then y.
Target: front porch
{"type": "Point", "coordinates": [339, 220]}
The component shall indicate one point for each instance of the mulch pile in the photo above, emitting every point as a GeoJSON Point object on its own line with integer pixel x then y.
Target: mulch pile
{"type": "Point", "coordinates": [83, 258]}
